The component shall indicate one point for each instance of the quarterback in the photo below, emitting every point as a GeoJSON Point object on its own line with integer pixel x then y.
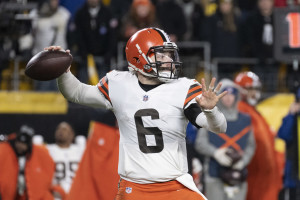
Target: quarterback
{"type": "Point", "coordinates": [153, 106]}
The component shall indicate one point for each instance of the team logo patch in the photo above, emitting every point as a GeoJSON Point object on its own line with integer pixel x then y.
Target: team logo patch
{"type": "Point", "coordinates": [145, 98]}
{"type": "Point", "coordinates": [128, 190]}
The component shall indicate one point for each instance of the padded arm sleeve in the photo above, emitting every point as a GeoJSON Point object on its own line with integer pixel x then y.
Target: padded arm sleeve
{"type": "Point", "coordinates": [75, 91]}
{"type": "Point", "coordinates": [213, 120]}
{"type": "Point", "coordinates": [192, 113]}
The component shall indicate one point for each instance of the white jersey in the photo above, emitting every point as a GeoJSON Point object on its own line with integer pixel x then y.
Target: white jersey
{"type": "Point", "coordinates": [152, 126]}
{"type": "Point", "coordinates": [66, 162]}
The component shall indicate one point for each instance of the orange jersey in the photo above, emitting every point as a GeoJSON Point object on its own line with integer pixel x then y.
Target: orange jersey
{"type": "Point", "coordinates": [39, 171]}
{"type": "Point", "coordinates": [263, 177]}
{"type": "Point", "coordinates": [97, 176]}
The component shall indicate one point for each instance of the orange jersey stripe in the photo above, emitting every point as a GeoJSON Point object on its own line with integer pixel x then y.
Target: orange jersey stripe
{"type": "Point", "coordinates": [191, 97]}
{"type": "Point", "coordinates": [103, 87]}
{"type": "Point", "coordinates": [194, 88]}
{"type": "Point", "coordinates": [104, 82]}
{"type": "Point", "coordinates": [103, 92]}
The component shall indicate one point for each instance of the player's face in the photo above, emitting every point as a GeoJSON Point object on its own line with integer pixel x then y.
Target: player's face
{"type": "Point", "coordinates": [54, 4]}
{"type": "Point", "coordinates": [252, 95]}
{"type": "Point", "coordinates": [226, 7]}
{"type": "Point", "coordinates": [93, 3]}
{"type": "Point", "coordinates": [164, 61]}
{"type": "Point", "coordinates": [143, 10]}
{"type": "Point", "coordinates": [64, 133]}
{"type": "Point", "coordinates": [228, 100]}
{"type": "Point", "coordinates": [166, 58]}
{"type": "Point", "coordinates": [265, 6]}
{"type": "Point", "coordinates": [21, 147]}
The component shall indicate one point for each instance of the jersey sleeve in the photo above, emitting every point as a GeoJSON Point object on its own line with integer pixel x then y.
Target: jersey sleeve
{"type": "Point", "coordinates": [194, 91]}
{"type": "Point", "coordinates": [75, 91]}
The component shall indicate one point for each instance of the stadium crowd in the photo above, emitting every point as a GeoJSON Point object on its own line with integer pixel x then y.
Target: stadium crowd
{"type": "Point", "coordinates": [242, 163]}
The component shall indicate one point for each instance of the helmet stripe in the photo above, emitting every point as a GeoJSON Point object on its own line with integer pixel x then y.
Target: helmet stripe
{"type": "Point", "coordinates": [164, 36]}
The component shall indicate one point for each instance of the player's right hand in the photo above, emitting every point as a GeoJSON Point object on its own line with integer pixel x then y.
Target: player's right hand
{"type": "Point", "coordinates": [58, 48]}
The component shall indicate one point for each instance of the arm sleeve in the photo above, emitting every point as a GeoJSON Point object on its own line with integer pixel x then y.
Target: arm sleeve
{"type": "Point", "coordinates": [192, 112]}
{"type": "Point", "coordinates": [249, 150]}
{"type": "Point", "coordinates": [75, 91]}
{"type": "Point", "coordinates": [202, 145]}
{"type": "Point", "coordinates": [213, 120]}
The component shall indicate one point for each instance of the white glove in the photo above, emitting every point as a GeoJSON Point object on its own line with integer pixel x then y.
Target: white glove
{"type": "Point", "coordinates": [222, 158]}
{"type": "Point", "coordinates": [239, 165]}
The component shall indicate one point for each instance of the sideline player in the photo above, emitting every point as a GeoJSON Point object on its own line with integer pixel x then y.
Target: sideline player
{"type": "Point", "coordinates": [65, 155]}
{"type": "Point", "coordinates": [152, 106]}
{"type": "Point", "coordinates": [264, 179]}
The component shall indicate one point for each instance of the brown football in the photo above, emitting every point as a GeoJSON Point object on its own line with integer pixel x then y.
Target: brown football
{"type": "Point", "coordinates": [48, 65]}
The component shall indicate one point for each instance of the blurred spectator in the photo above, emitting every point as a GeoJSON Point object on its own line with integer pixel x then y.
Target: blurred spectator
{"type": "Point", "coordinates": [171, 18]}
{"type": "Point", "coordinates": [264, 181]}
{"type": "Point", "coordinates": [26, 169]}
{"type": "Point", "coordinates": [96, 36]}
{"type": "Point", "coordinates": [72, 5]}
{"type": "Point", "coordinates": [227, 154]}
{"type": "Point", "coordinates": [202, 9]}
{"type": "Point", "coordinates": [289, 131]}
{"type": "Point", "coordinates": [66, 156]}
{"type": "Point", "coordinates": [49, 27]}
{"type": "Point", "coordinates": [141, 15]}
{"type": "Point", "coordinates": [258, 42]}
{"type": "Point", "coordinates": [188, 7]}
{"type": "Point", "coordinates": [120, 8]}
{"type": "Point", "coordinates": [222, 30]}
{"type": "Point", "coordinates": [246, 7]}
{"type": "Point", "coordinates": [259, 31]}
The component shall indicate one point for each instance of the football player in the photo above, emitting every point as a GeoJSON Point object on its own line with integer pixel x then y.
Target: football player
{"type": "Point", "coordinates": [152, 105]}
{"type": "Point", "coordinates": [66, 156]}
{"type": "Point", "coordinates": [265, 157]}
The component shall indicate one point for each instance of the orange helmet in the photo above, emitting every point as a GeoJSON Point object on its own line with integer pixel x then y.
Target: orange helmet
{"type": "Point", "coordinates": [248, 80]}
{"type": "Point", "coordinates": [252, 85]}
{"type": "Point", "coordinates": [151, 52]}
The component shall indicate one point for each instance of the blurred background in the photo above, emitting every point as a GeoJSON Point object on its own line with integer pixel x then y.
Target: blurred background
{"type": "Point", "coordinates": [216, 38]}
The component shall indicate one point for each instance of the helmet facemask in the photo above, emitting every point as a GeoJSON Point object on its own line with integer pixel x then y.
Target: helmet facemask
{"type": "Point", "coordinates": [252, 95]}
{"type": "Point", "coordinates": [163, 62]}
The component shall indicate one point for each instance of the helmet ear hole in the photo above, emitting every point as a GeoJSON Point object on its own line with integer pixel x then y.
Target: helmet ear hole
{"type": "Point", "coordinates": [136, 60]}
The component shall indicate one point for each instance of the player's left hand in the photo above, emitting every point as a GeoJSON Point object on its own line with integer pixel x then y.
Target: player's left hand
{"type": "Point", "coordinates": [209, 97]}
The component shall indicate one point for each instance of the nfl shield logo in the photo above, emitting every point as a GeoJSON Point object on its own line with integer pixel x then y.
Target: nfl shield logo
{"type": "Point", "coordinates": [145, 98]}
{"type": "Point", "coordinates": [128, 190]}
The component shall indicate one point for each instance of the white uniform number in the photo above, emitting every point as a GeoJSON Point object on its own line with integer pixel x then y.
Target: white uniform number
{"type": "Point", "coordinates": [61, 170]}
